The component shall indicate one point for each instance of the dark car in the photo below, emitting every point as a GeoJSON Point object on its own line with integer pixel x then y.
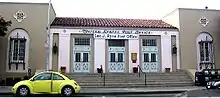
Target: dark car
{"type": "Point", "coordinates": [213, 84]}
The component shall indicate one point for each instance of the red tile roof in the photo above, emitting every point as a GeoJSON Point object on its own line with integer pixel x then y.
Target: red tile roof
{"type": "Point", "coordinates": [110, 22]}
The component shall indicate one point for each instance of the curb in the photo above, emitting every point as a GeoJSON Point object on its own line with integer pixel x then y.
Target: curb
{"type": "Point", "coordinates": [184, 94]}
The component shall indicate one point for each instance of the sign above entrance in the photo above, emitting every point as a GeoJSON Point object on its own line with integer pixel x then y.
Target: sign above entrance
{"type": "Point", "coordinates": [115, 36]}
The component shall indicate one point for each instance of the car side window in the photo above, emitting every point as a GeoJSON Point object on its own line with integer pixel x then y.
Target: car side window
{"type": "Point", "coordinates": [57, 77]}
{"type": "Point", "coordinates": [43, 76]}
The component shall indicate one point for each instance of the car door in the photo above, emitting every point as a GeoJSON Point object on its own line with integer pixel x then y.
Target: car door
{"type": "Point", "coordinates": [56, 82]}
{"type": "Point", "coordinates": [42, 83]}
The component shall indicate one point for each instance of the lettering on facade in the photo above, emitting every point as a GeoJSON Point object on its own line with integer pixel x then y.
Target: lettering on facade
{"type": "Point", "coordinates": [115, 36]}
{"type": "Point", "coordinates": [86, 31]}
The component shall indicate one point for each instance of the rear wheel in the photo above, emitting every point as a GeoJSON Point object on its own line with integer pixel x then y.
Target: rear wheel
{"type": "Point", "coordinates": [67, 91]}
{"type": "Point", "coordinates": [23, 91]}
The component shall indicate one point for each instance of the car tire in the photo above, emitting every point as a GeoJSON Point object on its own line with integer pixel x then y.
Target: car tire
{"type": "Point", "coordinates": [67, 91]}
{"type": "Point", "coordinates": [23, 91]}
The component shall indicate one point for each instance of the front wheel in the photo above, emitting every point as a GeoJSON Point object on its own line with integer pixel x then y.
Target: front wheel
{"type": "Point", "coordinates": [67, 91]}
{"type": "Point", "coordinates": [23, 91]}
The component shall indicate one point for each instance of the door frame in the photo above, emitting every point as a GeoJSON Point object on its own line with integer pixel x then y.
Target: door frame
{"type": "Point", "coordinates": [72, 46]}
{"type": "Point", "coordinates": [126, 56]}
{"type": "Point", "coordinates": [158, 38]}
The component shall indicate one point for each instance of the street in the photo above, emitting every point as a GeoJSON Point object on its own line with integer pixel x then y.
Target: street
{"type": "Point", "coordinates": [191, 93]}
{"type": "Point", "coordinates": [204, 93]}
{"type": "Point", "coordinates": [106, 95]}
{"type": "Point", "coordinates": [123, 92]}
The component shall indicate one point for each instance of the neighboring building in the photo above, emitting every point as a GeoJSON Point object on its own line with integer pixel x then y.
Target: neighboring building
{"type": "Point", "coordinates": [84, 44]}
{"type": "Point", "coordinates": [199, 37]}
{"type": "Point", "coordinates": [24, 44]}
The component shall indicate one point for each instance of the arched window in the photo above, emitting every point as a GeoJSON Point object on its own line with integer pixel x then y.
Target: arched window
{"type": "Point", "coordinates": [18, 42]}
{"type": "Point", "coordinates": [205, 51]}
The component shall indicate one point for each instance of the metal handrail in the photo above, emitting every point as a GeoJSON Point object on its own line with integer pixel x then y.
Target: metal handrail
{"type": "Point", "coordinates": [145, 77]}
{"type": "Point", "coordinates": [103, 76]}
{"type": "Point", "coordinates": [140, 70]}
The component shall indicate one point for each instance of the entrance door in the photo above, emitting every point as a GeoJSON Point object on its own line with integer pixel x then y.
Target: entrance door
{"type": "Point", "coordinates": [81, 62]}
{"type": "Point", "coordinates": [150, 62]}
{"type": "Point", "coordinates": [149, 55]}
{"type": "Point", "coordinates": [116, 62]}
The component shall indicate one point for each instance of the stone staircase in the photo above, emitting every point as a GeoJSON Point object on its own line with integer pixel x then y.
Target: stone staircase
{"type": "Point", "coordinates": [172, 79]}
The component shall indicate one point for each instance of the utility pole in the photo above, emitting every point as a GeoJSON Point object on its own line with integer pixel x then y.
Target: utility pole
{"type": "Point", "coordinates": [47, 43]}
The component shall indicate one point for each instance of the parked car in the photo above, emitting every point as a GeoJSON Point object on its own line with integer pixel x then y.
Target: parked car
{"type": "Point", "coordinates": [47, 82]}
{"type": "Point", "coordinates": [213, 84]}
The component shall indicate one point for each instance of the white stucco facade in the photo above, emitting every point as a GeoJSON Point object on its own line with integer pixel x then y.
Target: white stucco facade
{"type": "Point", "coordinates": [101, 53]}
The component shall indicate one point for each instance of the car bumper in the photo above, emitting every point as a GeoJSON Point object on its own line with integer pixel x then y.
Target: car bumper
{"type": "Point", "coordinates": [13, 90]}
{"type": "Point", "coordinates": [77, 89]}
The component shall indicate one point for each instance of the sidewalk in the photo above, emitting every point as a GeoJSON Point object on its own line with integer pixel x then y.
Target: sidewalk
{"type": "Point", "coordinates": [7, 89]}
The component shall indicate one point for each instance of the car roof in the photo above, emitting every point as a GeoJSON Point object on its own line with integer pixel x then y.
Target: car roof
{"type": "Point", "coordinates": [49, 72]}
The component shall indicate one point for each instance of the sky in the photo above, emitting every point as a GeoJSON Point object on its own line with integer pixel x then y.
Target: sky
{"type": "Point", "coordinates": [136, 9]}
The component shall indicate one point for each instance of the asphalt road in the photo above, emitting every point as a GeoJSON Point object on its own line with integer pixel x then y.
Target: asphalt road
{"type": "Point", "coordinates": [204, 93]}
{"type": "Point", "coordinates": [193, 93]}
{"type": "Point", "coordinates": [105, 95]}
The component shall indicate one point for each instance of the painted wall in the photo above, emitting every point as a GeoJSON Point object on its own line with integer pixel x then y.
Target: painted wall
{"type": "Point", "coordinates": [35, 25]}
{"type": "Point", "coordinates": [64, 50]}
{"type": "Point", "coordinates": [190, 28]}
{"type": "Point", "coordinates": [133, 48]}
{"type": "Point", "coordinates": [172, 18]}
{"type": "Point", "coordinates": [99, 54]}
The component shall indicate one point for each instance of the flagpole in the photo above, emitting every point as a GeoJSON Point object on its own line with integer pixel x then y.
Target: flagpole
{"type": "Point", "coordinates": [48, 39]}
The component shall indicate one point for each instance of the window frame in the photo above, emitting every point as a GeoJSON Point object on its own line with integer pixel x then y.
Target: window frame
{"type": "Point", "coordinates": [116, 43]}
{"type": "Point", "coordinates": [204, 58]}
{"type": "Point", "coordinates": [78, 41]}
{"type": "Point", "coordinates": [34, 79]}
{"type": "Point", "coordinates": [57, 75]}
{"type": "Point", "coordinates": [12, 51]}
{"type": "Point", "coordinates": [149, 42]}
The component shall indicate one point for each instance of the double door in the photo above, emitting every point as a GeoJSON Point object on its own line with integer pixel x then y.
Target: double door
{"type": "Point", "coordinates": [81, 61]}
{"type": "Point", "coordinates": [116, 61]}
{"type": "Point", "coordinates": [150, 62]}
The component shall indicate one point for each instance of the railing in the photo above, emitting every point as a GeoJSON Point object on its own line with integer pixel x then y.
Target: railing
{"type": "Point", "coordinates": [139, 71]}
{"type": "Point", "coordinates": [103, 76]}
{"type": "Point", "coordinates": [139, 74]}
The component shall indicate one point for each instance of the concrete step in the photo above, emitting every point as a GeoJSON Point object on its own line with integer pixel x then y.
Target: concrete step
{"type": "Point", "coordinates": [130, 79]}
{"type": "Point", "coordinates": [125, 74]}
{"type": "Point", "coordinates": [133, 79]}
{"type": "Point", "coordinates": [138, 85]}
{"type": "Point", "coordinates": [122, 81]}
{"type": "Point", "coordinates": [132, 86]}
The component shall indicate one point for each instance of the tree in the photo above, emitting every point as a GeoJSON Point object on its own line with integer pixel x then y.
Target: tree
{"type": "Point", "coordinates": [4, 26]}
